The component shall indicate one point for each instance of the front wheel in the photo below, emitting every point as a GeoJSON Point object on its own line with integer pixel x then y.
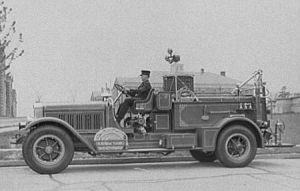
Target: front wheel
{"type": "Point", "coordinates": [236, 146]}
{"type": "Point", "coordinates": [48, 149]}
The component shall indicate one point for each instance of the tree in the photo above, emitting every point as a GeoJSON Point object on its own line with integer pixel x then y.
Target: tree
{"type": "Point", "coordinates": [284, 93]}
{"type": "Point", "coordinates": [9, 51]}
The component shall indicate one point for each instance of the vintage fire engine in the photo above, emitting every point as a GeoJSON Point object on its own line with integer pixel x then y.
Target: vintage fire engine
{"type": "Point", "coordinates": [228, 128]}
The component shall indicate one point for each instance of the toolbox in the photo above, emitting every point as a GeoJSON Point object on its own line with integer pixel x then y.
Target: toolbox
{"type": "Point", "coordinates": [180, 140]}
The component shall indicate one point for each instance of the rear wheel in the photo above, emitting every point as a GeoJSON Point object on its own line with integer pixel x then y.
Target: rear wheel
{"type": "Point", "coordinates": [202, 156]}
{"type": "Point", "coordinates": [236, 146]}
{"type": "Point", "coordinates": [48, 150]}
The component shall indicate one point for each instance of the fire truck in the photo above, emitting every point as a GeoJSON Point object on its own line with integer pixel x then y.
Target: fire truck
{"type": "Point", "coordinates": [228, 128]}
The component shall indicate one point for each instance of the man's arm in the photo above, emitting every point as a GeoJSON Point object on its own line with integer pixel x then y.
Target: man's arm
{"type": "Point", "coordinates": [144, 87]}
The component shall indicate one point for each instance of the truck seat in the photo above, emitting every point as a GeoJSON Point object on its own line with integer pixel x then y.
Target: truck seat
{"type": "Point", "coordinates": [144, 106]}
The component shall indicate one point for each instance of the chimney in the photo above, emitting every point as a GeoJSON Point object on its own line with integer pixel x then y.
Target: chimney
{"type": "Point", "coordinates": [223, 73]}
{"type": "Point", "coordinates": [202, 70]}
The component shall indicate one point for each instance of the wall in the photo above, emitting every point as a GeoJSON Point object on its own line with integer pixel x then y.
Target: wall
{"type": "Point", "coordinates": [292, 127]}
{"type": "Point", "coordinates": [287, 105]}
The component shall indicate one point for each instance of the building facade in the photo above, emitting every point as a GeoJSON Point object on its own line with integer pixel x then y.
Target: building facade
{"type": "Point", "coordinates": [204, 82]}
{"type": "Point", "coordinates": [102, 95]}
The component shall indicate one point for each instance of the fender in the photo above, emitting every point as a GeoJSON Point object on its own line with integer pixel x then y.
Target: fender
{"type": "Point", "coordinates": [222, 123]}
{"type": "Point", "coordinates": [63, 125]}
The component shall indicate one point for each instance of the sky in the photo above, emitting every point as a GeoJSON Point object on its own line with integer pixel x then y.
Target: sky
{"type": "Point", "coordinates": [74, 47]}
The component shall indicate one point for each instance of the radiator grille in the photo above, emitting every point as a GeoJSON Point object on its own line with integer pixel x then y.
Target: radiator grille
{"type": "Point", "coordinates": [82, 121]}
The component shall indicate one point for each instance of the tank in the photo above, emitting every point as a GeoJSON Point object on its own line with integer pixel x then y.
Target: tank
{"type": "Point", "coordinates": [283, 105]}
{"type": "Point", "coordinates": [296, 105]}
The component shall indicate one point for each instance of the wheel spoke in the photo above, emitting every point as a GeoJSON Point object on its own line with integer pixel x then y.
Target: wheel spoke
{"type": "Point", "coordinates": [40, 147]}
{"type": "Point", "coordinates": [233, 144]}
{"type": "Point", "coordinates": [233, 141]}
{"type": "Point", "coordinates": [40, 156]}
{"type": "Point", "coordinates": [243, 142]}
{"type": "Point", "coordinates": [50, 157]}
{"type": "Point", "coordinates": [58, 152]}
{"type": "Point", "coordinates": [54, 144]}
{"type": "Point", "coordinates": [46, 140]}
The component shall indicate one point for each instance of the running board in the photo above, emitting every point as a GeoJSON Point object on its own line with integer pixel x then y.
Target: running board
{"type": "Point", "coordinates": [159, 150]}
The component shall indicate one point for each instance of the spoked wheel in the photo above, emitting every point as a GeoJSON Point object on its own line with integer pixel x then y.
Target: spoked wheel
{"type": "Point", "coordinates": [202, 156]}
{"type": "Point", "coordinates": [48, 150]}
{"type": "Point", "coordinates": [236, 146]}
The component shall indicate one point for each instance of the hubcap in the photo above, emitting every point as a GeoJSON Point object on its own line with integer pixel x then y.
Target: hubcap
{"type": "Point", "coordinates": [48, 149]}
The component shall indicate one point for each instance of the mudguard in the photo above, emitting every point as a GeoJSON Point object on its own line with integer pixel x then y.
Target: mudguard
{"type": "Point", "coordinates": [236, 119]}
{"type": "Point", "coordinates": [63, 125]}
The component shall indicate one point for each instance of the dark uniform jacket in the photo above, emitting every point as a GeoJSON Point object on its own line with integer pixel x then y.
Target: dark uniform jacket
{"type": "Point", "coordinates": [142, 91]}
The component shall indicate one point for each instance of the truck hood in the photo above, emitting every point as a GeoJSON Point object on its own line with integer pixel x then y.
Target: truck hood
{"type": "Point", "coordinates": [71, 106]}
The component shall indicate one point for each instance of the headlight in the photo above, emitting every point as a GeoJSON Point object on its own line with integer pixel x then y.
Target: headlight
{"type": "Point", "coordinates": [22, 125]}
{"type": "Point", "coordinates": [38, 110]}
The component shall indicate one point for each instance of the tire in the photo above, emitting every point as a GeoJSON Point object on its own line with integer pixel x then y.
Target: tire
{"type": "Point", "coordinates": [48, 150]}
{"type": "Point", "coordinates": [202, 156]}
{"type": "Point", "coordinates": [236, 146]}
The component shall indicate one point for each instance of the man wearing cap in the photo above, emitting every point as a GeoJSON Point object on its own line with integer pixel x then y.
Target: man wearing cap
{"type": "Point", "coordinates": [137, 94]}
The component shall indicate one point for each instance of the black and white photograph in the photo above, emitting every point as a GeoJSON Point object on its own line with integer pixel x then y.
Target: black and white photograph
{"type": "Point", "coordinates": [149, 95]}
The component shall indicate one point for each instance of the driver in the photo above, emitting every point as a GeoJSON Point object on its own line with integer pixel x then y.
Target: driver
{"type": "Point", "coordinates": [137, 94]}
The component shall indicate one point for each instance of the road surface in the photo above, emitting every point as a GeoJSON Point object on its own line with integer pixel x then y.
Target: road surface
{"type": "Point", "coordinates": [267, 174]}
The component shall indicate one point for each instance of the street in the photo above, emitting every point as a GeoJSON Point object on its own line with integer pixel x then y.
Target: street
{"type": "Point", "coordinates": [270, 174]}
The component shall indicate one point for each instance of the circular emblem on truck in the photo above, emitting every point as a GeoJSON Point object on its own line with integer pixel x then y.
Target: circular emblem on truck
{"type": "Point", "coordinates": [110, 139]}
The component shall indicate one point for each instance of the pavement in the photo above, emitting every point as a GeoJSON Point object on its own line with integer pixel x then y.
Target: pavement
{"type": "Point", "coordinates": [14, 157]}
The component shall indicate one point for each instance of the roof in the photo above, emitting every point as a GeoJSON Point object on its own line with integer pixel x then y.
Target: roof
{"type": "Point", "coordinates": [199, 78]}
{"type": "Point", "coordinates": [96, 94]}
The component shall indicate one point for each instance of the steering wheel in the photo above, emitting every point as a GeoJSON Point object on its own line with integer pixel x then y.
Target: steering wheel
{"type": "Point", "coordinates": [121, 88]}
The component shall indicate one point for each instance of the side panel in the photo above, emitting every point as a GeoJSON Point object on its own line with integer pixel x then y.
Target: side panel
{"type": "Point", "coordinates": [207, 137]}
{"type": "Point", "coordinates": [192, 115]}
{"type": "Point", "coordinates": [161, 121]}
{"type": "Point", "coordinates": [173, 141]}
{"type": "Point", "coordinates": [163, 101]}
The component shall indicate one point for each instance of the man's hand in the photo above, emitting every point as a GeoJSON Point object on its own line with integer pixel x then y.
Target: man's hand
{"type": "Point", "coordinates": [127, 90]}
